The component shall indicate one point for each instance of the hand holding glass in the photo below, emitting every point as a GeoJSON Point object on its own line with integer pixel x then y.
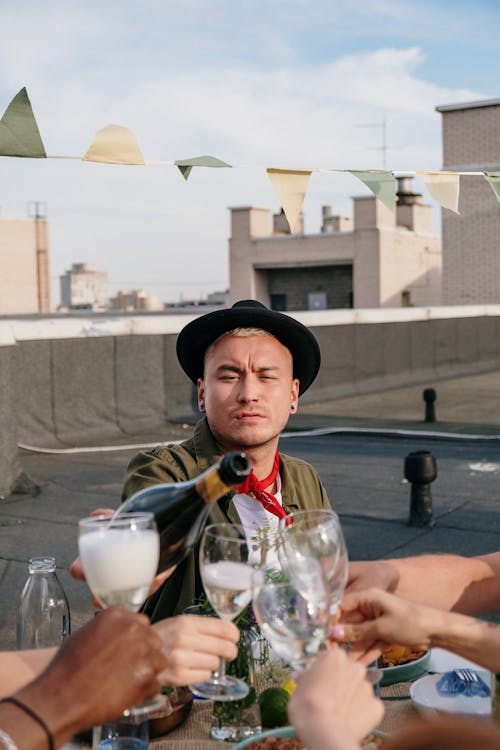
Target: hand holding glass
{"type": "Point", "coordinates": [226, 574]}
{"type": "Point", "coordinates": [120, 558]}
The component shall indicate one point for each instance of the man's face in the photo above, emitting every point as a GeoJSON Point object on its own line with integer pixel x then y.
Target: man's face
{"type": "Point", "coordinates": [248, 388]}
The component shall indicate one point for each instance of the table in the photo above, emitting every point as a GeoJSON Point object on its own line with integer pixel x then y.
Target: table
{"type": "Point", "coordinates": [194, 733]}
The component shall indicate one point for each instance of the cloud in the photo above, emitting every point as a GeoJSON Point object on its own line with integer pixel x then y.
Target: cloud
{"type": "Point", "coordinates": [252, 89]}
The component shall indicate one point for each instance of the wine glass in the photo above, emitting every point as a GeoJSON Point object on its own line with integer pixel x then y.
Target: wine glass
{"type": "Point", "coordinates": [294, 623]}
{"type": "Point", "coordinates": [312, 544]}
{"type": "Point", "coordinates": [226, 573]}
{"type": "Point", "coordinates": [120, 556]}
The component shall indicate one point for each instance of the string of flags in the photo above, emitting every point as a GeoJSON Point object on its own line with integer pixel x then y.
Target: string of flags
{"type": "Point", "coordinates": [114, 144]}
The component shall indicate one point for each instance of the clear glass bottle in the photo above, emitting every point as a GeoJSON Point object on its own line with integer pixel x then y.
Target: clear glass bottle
{"type": "Point", "coordinates": [43, 617]}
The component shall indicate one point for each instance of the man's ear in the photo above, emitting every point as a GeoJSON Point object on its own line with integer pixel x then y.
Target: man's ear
{"type": "Point", "coordinates": [200, 387]}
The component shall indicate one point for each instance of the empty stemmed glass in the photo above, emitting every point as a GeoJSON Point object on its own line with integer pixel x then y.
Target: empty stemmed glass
{"type": "Point", "coordinates": [120, 559]}
{"type": "Point", "coordinates": [293, 620]}
{"type": "Point", "coordinates": [226, 573]}
{"type": "Point", "coordinates": [312, 544]}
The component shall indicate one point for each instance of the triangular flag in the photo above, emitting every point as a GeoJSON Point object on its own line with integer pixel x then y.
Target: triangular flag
{"type": "Point", "coordinates": [494, 179]}
{"type": "Point", "coordinates": [380, 182]}
{"type": "Point", "coordinates": [444, 188]}
{"type": "Point", "coordinates": [185, 171]}
{"type": "Point", "coordinates": [19, 134]}
{"type": "Point", "coordinates": [185, 165]}
{"type": "Point", "coordinates": [114, 145]}
{"type": "Point", "coordinates": [291, 186]}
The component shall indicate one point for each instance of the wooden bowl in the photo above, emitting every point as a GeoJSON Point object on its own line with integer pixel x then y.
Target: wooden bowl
{"type": "Point", "coordinates": [162, 722]}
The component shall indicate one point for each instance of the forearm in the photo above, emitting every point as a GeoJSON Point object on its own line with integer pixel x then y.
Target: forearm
{"type": "Point", "coordinates": [468, 637]}
{"type": "Point", "coordinates": [449, 582]}
{"type": "Point", "coordinates": [17, 668]}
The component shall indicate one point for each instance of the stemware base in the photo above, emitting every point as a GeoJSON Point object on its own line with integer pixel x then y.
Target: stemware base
{"type": "Point", "coordinates": [149, 706]}
{"type": "Point", "coordinates": [221, 688]}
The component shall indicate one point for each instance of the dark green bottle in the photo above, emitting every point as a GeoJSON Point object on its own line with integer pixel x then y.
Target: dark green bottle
{"type": "Point", "coordinates": [181, 508]}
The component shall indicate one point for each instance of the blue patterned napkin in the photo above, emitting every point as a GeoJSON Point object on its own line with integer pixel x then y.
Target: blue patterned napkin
{"type": "Point", "coordinates": [451, 684]}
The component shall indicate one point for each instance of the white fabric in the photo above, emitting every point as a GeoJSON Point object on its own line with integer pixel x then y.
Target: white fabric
{"type": "Point", "coordinates": [7, 741]}
{"type": "Point", "coordinates": [254, 516]}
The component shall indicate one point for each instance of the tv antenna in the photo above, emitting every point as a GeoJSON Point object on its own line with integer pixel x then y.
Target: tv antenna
{"type": "Point", "coordinates": [383, 148]}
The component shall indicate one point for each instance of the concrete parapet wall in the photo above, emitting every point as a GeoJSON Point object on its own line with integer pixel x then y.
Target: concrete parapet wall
{"type": "Point", "coordinates": [93, 380]}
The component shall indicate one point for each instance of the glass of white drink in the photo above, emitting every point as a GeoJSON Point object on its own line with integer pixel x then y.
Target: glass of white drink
{"type": "Point", "coordinates": [226, 574]}
{"type": "Point", "coordinates": [120, 559]}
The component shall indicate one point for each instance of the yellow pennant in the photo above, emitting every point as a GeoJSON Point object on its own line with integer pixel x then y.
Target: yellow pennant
{"type": "Point", "coordinates": [291, 186]}
{"type": "Point", "coordinates": [114, 145]}
{"type": "Point", "coordinates": [444, 188]}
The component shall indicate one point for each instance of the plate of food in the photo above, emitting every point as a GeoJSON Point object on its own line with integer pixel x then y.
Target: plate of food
{"type": "Point", "coordinates": [428, 697]}
{"type": "Point", "coordinates": [403, 663]}
{"type": "Point", "coordinates": [285, 738]}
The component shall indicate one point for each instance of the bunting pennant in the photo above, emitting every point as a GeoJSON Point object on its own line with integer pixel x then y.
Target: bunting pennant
{"type": "Point", "coordinates": [185, 165]}
{"type": "Point", "coordinates": [291, 186]}
{"type": "Point", "coordinates": [444, 188]}
{"type": "Point", "coordinates": [380, 182]}
{"type": "Point", "coordinates": [494, 180]}
{"type": "Point", "coordinates": [19, 134]}
{"type": "Point", "coordinates": [114, 145]}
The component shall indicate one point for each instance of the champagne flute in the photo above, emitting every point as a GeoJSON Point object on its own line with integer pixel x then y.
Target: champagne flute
{"type": "Point", "coordinates": [312, 544]}
{"type": "Point", "coordinates": [120, 559]}
{"type": "Point", "coordinates": [294, 622]}
{"type": "Point", "coordinates": [226, 574]}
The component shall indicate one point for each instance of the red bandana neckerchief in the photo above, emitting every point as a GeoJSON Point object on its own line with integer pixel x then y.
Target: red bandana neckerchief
{"type": "Point", "coordinates": [257, 486]}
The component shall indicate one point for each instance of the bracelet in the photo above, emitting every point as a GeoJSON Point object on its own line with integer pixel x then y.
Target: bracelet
{"type": "Point", "coordinates": [33, 715]}
{"type": "Point", "coordinates": [7, 741]}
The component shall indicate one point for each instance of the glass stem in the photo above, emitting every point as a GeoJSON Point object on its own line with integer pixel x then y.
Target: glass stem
{"type": "Point", "coordinates": [221, 671]}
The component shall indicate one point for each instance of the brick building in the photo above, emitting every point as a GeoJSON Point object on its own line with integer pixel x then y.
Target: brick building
{"type": "Point", "coordinates": [471, 241]}
{"type": "Point", "coordinates": [83, 287]}
{"type": "Point", "coordinates": [377, 258]}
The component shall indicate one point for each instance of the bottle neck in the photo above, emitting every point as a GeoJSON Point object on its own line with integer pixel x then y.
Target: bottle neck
{"type": "Point", "coordinates": [210, 486]}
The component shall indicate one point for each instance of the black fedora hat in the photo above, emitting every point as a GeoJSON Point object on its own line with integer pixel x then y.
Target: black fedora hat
{"type": "Point", "coordinates": [196, 337]}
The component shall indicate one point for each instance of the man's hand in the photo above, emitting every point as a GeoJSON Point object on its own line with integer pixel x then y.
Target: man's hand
{"type": "Point", "coordinates": [333, 705]}
{"type": "Point", "coordinates": [110, 664]}
{"type": "Point", "coordinates": [373, 619]}
{"type": "Point", "coordinates": [193, 646]}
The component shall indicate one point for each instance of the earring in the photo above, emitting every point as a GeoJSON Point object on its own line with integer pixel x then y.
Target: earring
{"type": "Point", "coordinates": [202, 406]}
{"type": "Point", "coordinates": [292, 407]}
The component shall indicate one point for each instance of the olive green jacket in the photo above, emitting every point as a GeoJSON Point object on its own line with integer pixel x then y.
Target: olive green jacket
{"type": "Point", "coordinates": [301, 489]}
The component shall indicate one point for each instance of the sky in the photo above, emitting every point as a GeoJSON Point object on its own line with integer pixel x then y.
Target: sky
{"type": "Point", "coordinates": [262, 83]}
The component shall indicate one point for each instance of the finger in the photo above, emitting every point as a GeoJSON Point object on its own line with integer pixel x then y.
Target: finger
{"type": "Point", "coordinates": [103, 512]}
{"type": "Point", "coordinates": [76, 569]}
{"type": "Point", "coordinates": [159, 580]}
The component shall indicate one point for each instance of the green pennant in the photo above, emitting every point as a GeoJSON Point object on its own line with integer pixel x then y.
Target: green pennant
{"type": "Point", "coordinates": [380, 182]}
{"type": "Point", "coordinates": [494, 180]}
{"type": "Point", "coordinates": [19, 134]}
{"type": "Point", "coordinates": [185, 165]}
{"type": "Point", "coordinates": [185, 171]}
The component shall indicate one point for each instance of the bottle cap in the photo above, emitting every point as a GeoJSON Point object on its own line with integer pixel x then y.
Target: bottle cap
{"type": "Point", "coordinates": [42, 564]}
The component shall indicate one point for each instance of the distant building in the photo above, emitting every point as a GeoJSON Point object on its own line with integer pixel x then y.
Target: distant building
{"type": "Point", "coordinates": [218, 298]}
{"type": "Point", "coordinates": [24, 264]}
{"type": "Point", "coordinates": [84, 288]}
{"type": "Point", "coordinates": [130, 300]}
{"type": "Point", "coordinates": [378, 258]}
{"type": "Point", "coordinates": [471, 241]}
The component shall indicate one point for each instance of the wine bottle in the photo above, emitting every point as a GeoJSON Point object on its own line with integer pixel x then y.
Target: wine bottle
{"type": "Point", "coordinates": [181, 508]}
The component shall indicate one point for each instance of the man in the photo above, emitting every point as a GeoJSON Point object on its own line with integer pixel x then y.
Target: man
{"type": "Point", "coordinates": [250, 365]}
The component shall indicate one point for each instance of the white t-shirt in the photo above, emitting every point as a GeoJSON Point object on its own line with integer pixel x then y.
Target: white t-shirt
{"type": "Point", "coordinates": [254, 516]}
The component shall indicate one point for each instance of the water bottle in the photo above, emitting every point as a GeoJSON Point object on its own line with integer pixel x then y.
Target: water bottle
{"type": "Point", "coordinates": [181, 508]}
{"type": "Point", "coordinates": [43, 617]}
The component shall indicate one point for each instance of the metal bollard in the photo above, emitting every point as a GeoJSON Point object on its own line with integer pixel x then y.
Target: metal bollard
{"type": "Point", "coordinates": [420, 470]}
{"type": "Point", "coordinates": [429, 395]}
